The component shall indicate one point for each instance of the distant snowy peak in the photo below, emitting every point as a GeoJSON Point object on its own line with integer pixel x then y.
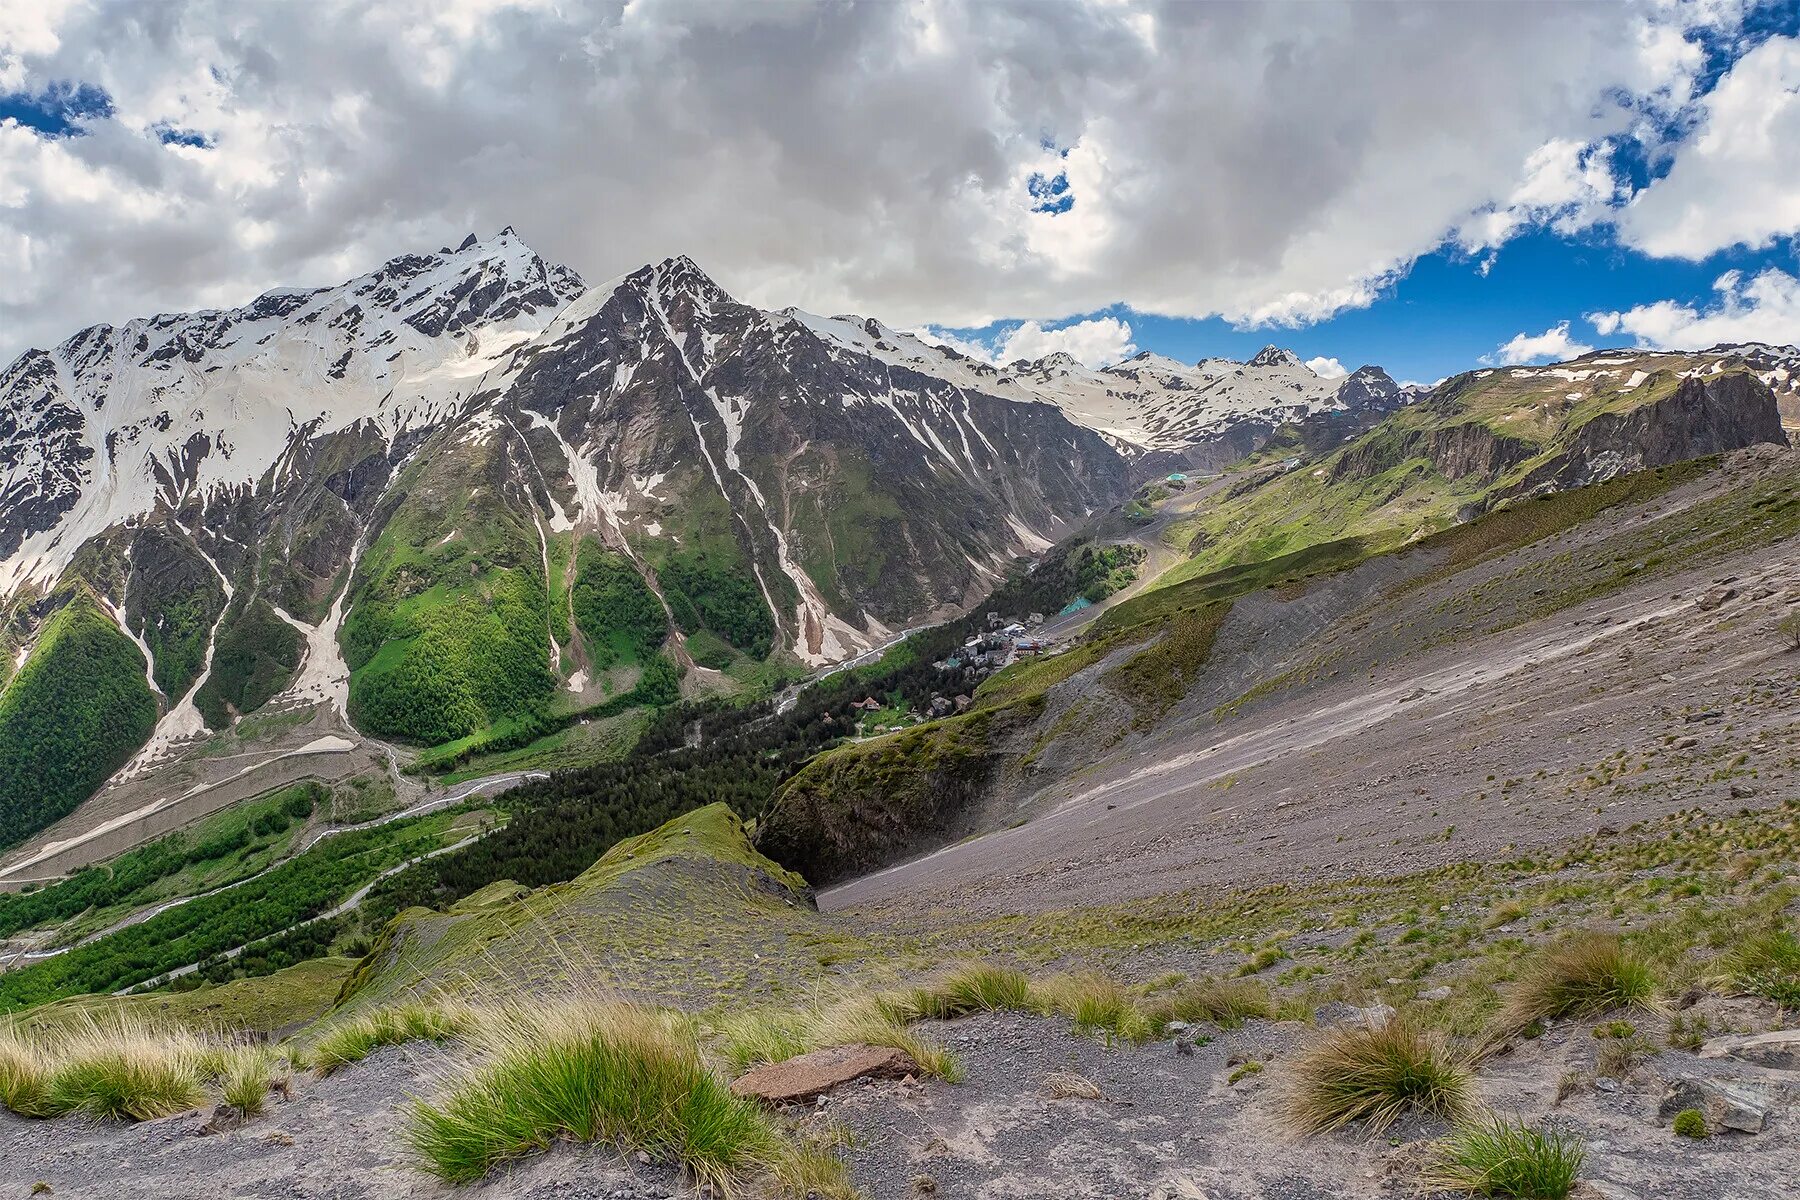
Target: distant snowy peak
{"type": "Point", "coordinates": [1275, 356]}
{"type": "Point", "coordinates": [164, 409]}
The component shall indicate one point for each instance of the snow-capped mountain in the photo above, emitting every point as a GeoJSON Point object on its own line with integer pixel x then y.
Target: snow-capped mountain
{"type": "Point", "coordinates": [163, 410]}
{"type": "Point", "coordinates": [387, 495]}
{"type": "Point", "coordinates": [1149, 402]}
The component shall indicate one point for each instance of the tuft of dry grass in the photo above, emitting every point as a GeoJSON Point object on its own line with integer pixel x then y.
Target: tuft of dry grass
{"type": "Point", "coordinates": [1068, 1085]}
{"type": "Point", "coordinates": [964, 988]}
{"type": "Point", "coordinates": [24, 1076]}
{"type": "Point", "coordinates": [1581, 976]}
{"type": "Point", "coordinates": [1095, 1003]}
{"type": "Point", "coordinates": [120, 1067]}
{"type": "Point", "coordinates": [1374, 1075]}
{"type": "Point", "coordinates": [1227, 1003]}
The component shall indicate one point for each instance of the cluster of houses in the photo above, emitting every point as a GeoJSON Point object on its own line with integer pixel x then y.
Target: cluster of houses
{"type": "Point", "coordinates": [1001, 644]}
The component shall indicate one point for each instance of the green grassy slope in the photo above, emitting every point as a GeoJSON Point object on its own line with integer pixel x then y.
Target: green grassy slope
{"type": "Point", "coordinates": [1478, 439]}
{"type": "Point", "coordinates": [636, 921]}
{"type": "Point", "coordinates": [69, 717]}
{"type": "Point", "coordinates": [448, 629]}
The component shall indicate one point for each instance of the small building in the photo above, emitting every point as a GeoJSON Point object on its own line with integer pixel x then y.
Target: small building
{"type": "Point", "coordinates": [1176, 477]}
{"type": "Point", "coordinates": [941, 707]}
{"type": "Point", "coordinates": [1034, 620]}
{"type": "Point", "coordinates": [1288, 464]}
{"type": "Point", "coordinates": [1013, 632]}
{"type": "Point", "coordinates": [962, 703]}
{"type": "Point", "coordinates": [994, 620]}
{"type": "Point", "coordinates": [867, 704]}
{"type": "Point", "coordinates": [1029, 646]}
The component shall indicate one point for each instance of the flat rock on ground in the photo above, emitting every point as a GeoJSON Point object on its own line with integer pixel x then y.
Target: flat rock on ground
{"type": "Point", "coordinates": [819, 1071]}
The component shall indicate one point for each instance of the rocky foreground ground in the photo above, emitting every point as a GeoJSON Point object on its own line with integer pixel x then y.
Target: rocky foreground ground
{"type": "Point", "coordinates": [1043, 1111]}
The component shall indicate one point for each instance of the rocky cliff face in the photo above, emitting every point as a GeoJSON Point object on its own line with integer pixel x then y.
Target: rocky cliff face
{"type": "Point", "coordinates": [1706, 414]}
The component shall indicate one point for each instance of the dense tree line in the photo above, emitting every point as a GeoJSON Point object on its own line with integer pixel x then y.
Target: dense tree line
{"type": "Point", "coordinates": [200, 929]}
{"type": "Point", "coordinates": [71, 716]}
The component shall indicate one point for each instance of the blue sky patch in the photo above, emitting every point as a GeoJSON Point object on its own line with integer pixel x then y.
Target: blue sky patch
{"type": "Point", "coordinates": [61, 109]}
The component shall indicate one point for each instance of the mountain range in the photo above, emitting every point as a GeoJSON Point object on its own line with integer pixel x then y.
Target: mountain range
{"type": "Point", "coordinates": [466, 496]}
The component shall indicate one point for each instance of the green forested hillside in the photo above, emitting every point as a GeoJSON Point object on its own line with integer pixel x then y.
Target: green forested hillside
{"type": "Point", "coordinates": [448, 627]}
{"type": "Point", "coordinates": [254, 658]}
{"type": "Point", "coordinates": [70, 717]}
{"type": "Point", "coordinates": [617, 612]}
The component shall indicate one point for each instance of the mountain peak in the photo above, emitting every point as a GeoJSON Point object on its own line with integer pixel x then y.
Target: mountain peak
{"type": "Point", "coordinates": [1274, 356]}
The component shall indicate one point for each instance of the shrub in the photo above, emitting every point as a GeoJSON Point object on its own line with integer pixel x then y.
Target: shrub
{"type": "Point", "coordinates": [1494, 1156]}
{"type": "Point", "coordinates": [592, 1071]}
{"type": "Point", "coordinates": [355, 1040]}
{"type": "Point", "coordinates": [1227, 1003]}
{"type": "Point", "coordinates": [1691, 1123]}
{"type": "Point", "coordinates": [1373, 1075]}
{"type": "Point", "coordinates": [1583, 975]}
{"type": "Point", "coordinates": [1765, 964]}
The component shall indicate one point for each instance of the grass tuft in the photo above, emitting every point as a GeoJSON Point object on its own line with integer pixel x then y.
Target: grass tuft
{"type": "Point", "coordinates": [1584, 975]}
{"type": "Point", "coordinates": [1495, 1156]}
{"type": "Point", "coordinates": [1095, 1003]}
{"type": "Point", "coordinates": [123, 1069]}
{"type": "Point", "coordinates": [1373, 1075]}
{"type": "Point", "coordinates": [1227, 1003]}
{"type": "Point", "coordinates": [594, 1071]}
{"type": "Point", "coordinates": [247, 1078]}
{"type": "Point", "coordinates": [963, 989]}
{"type": "Point", "coordinates": [355, 1040]}
{"type": "Point", "coordinates": [1765, 964]}
{"type": "Point", "coordinates": [24, 1078]}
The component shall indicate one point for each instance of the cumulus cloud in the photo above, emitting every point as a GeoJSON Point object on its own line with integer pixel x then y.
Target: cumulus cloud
{"type": "Point", "coordinates": [1326, 368]}
{"type": "Point", "coordinates": [1736, 180]}
{"type": "Point", "coordinates": [1762, 308]}
{"type": "Point", "coordinates": [1552, 345]}
{"type": "Point", "coordinates": [1565, 185]}
{"type": "Point", "coordinates": [1097, 342]}
{"type": "Point", "coordinates": [1222, 160]}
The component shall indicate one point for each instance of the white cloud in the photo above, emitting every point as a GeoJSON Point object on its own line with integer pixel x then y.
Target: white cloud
{"type": "Point", "coordinates": [1326, 368]}
{"type": "Point", "coordinates": [1566, 185]}
{"type": "Point", "coordinates": [1097, 343]}
{"type": "Point", "coordinates": [1764, 308]}
{"type": "Point", "coordinates": [1221, 159]}
{"type": "Point", "coordinates": [1552, 345]}
{"type": "Point", "coordinates": [1736, 180]}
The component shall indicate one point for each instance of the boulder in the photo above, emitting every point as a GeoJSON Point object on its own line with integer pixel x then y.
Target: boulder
{"type": "Point", "coordinates": [1727, 1104]}
{"type": "Point", "coordinates": [1778, 1050]}
{"type": "Point", "coordinates": [813, 1074]}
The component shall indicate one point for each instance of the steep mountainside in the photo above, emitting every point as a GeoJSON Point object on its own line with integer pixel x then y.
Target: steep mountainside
{"type": "Point", "coordinates": [463, 498]}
